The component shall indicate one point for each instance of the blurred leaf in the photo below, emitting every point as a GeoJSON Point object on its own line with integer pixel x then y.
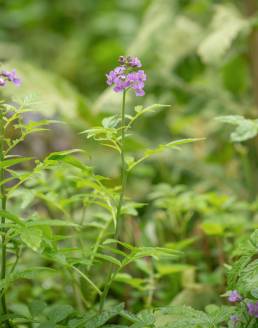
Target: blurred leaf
{"type": "Point", "coordinates": [226, 25]}
{"type": "Point", "coordinates": [100, 319]}
{"type": "Point", "coordinates": [36, 307]}
{"type": "Point", "coordinates": [59, 312]}
{"type": "Point", "coordinates": [32, 237]}
{"type": "Point", "coordinates": [246, 129]}
{"type": "Point", "coordinates": [10, 162]}
{"type": "Point", "coordinates": [211, 228]}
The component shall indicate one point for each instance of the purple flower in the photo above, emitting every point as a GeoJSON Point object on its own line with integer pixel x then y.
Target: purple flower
{"type": "Point", "coordinates": [134, 62]}
{"type": "Point", "coordinates": [253, 309]}
{"type": "Point", "coordinates": [130, 61]}
{"type": "Point", "coordinates": [9, 76]}
{"type": "Point", "coordinates": [234, 296]}
{"type": "Point", "coordinates": [125, 76]}
{"type": "Point", "coordinates": [2, 82]}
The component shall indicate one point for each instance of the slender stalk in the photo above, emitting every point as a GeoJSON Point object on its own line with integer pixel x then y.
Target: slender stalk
{"type": "Point", "coordinates": [3, 207]}
{"type": "Point", "coordinates": [151, 286]}
{"type": "Point", "coordinates": [120, 203]}
{"type": "Point", "coordinates": [123, 171]}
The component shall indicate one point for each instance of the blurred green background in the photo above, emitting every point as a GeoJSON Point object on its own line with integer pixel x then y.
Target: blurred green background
{"type": "Point", "coordinates": [197, 55]}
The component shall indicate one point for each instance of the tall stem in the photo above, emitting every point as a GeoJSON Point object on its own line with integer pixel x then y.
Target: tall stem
{"type": "Point", "coordinates": [3, 207]}
{"type": "Point", "coordinates": [123, 170]}
{"type": "Point", "coordinates": [120, 202]}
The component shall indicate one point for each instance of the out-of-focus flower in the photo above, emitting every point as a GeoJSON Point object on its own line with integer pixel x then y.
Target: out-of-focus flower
{"type": "Point", "coordinates": [125, 76]}
{"type": "Point", "coordinates": [234, 296]}
{"type": "Point", "coordinates": [2, 82]}
{"type": "Point", "coordinates": [130, 61]}
{"type": "Point", "coordinates": [235, 319]}
{"type": "Point", "coordinates": [9, 76]}
{"type": "Point", "coordinates": [253, 309]}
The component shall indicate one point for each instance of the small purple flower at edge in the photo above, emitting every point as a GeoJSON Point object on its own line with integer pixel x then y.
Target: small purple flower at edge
{"type": "Point", "coordinates": [9, 76]}
{"type": "Point", "coordinates": [234, 296]}
{"type": "Point", "coordinates": [2, 82]}
{"type": "Point", "coordinates": [126, 76]}
{"type": "Point", "coordinates": [253, 309]}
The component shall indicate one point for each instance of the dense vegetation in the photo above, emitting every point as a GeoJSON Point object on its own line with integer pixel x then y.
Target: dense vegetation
{"type": "Point", "coordinates": [124, 209]}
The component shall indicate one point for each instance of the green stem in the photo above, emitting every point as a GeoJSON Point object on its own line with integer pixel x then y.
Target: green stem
{"type": "Point", "coordinates": [3, 206]}
{"type": "Point", "coordinates": [120, 202]}
{"type": "Point", "coordinates": [123, 171]}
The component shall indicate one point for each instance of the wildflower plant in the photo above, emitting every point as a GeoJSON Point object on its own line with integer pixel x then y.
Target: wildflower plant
{"type": "Point", "coordinates": [15, 232]}
{"type": "Point", "coordinates": [113, 133]}
{"type": "Point", "coordinates": [6, 163]}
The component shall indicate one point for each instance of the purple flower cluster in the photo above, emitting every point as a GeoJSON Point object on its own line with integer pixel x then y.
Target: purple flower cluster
{"type": "Point", "coordinates": [7, 76]}
{"type": "Point", "coordinates": [234, 296]}
{"type": "Point", "coordinates": [125, 76]}
{"type": "Point", "coordinates": [253, 309]}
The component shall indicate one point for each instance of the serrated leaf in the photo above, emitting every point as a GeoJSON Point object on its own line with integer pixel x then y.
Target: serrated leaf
{"type": "Point", "coordinates": [182, 317]}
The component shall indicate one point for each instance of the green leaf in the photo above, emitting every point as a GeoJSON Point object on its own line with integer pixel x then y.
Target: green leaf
{"type": "Point", "coordinates": [115, 241]}
{"type": "Point", "coordinates": [111, 121]}
{"type": "Point", "coordinates": [167, 269]}
{"type": "Point", "coordinates": [154, 252]}
{"type": "Point", "coordinates": [30, 273]}
{"type": "Point", "coordinates": [182, 317]}
{"type": "Point", "coordinates": [11, 217]}
{"type": "Point", "coordinates": [108, 258]}
{"type": "Point", "coordinates": [47, 324]}
{"type": "Point", "coordinates": [126, 278]}
{"type": "Point", "coordinates": [11, 316]}
{"type": "Point", "coordinates": [64, 156]}
{"type": "Point", "coordinates": [161, 148]}
{"type": "Point", "coordinates": [36, 307]}
{"type": "Point", "coordinates": [100, 319]}
{"type": "Point", "coordinates": [140, 110]}
{"type": "Point", "coordinates": [59, 312]}
{"type": "Point", "coordinates": [10, 162]}
{"type": "Point", "coordinates": [246, 129]}
{"type": "Point", "coordinates": [32, 237]}
{"type": "Point", "coordinates": [212, 228]}
{"type": "Point", "coordinates": [54, 223]}
{"type": "Point", "coordinates": [61, 154]}
{"type": "Point", "coordinates": [145, 318]}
